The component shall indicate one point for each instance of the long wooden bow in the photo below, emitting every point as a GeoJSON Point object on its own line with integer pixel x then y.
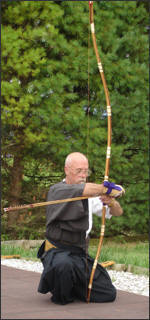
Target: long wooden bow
{"type": "Point", "coordinates": [108, 144]}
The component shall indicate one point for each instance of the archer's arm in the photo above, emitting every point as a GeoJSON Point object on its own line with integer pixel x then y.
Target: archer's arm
{"type": "Point", "coordinates": [109, 188]}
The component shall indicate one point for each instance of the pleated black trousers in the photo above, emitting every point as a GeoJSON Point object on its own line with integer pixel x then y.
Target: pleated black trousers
{"type": "Point", "coordinates": [66, 275]}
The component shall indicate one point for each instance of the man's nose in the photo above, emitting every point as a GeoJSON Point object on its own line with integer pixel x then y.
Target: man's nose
{"type": "Point", "coordinates": [83, 173]}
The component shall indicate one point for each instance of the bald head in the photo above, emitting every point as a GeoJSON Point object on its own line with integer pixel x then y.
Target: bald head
{"type": "Point", "coordinates": [75, 156]}
{"type": "Point", "coordinates": [76, 168]}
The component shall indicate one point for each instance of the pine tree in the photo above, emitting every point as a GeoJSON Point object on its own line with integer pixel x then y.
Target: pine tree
{"type": "Point", "coordinates": [45, 95]}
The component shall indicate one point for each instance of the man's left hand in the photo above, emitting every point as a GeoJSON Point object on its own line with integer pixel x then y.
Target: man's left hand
{"type": "Point", "coordinates": [107, 200]}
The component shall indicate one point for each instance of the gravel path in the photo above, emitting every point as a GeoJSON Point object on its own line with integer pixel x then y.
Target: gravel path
{"type": "Point", "coordinates": [125, 281]}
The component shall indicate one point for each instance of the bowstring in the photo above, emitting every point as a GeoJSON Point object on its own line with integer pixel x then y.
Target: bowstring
{"type": "Point", "coordinates": [88, 140]}
{"type": "Point", "coordinates": [88, 108]}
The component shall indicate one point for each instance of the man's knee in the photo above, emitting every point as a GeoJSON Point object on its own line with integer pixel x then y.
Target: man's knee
{"type": "Point", "coordinates": [105, 295]}
{"type": "Point", "coordinates": [112, 294]}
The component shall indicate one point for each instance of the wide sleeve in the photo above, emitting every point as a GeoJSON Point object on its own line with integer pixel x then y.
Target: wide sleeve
{"type": "Point", "coordinates": [96, 206]}
{"type": "Point", "coordinates": [67, 210]}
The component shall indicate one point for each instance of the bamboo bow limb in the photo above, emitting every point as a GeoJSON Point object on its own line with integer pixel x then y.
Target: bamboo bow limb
{"type": "Point", "coordinates": [108, 144]}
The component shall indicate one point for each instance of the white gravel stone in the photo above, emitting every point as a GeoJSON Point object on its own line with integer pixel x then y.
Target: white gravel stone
{"type": "Point", "coordinates": [130, 282]}
{"type": "Point", "coordinates": [27, 265]}
{"type": "Point", "coordinates": [125, 281]}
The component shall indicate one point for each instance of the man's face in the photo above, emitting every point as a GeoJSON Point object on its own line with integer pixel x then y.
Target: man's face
{"type": "Point", "coordinates": [77, 171]}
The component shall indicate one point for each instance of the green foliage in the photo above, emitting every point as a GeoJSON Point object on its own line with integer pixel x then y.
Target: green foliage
{"type": "Point", "coordinates": [24, 253]}
{"type": "Point", "coordinates": [136, 254]}
{"type": "Point", "coordinates": [45, 99]}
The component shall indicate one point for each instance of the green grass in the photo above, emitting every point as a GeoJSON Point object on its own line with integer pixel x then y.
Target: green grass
{"type": "Point", "coordinates": [136, 253]}
{"type": "Point", "coordinates": [24, 253]}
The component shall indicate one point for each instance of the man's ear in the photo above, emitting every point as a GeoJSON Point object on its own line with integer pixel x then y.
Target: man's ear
{"type": "Point", "coordinates": [66, 170]}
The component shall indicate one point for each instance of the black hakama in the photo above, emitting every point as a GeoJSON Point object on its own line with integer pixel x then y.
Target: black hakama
{"type": "Point", "coordinates": [66, 275]}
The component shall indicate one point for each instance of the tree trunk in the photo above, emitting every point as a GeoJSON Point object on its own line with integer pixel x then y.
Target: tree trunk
{"type": "Point", "coordinates": [15, 188]}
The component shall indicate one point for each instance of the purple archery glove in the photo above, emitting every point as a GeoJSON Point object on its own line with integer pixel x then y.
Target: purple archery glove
{"type": "Point", "coordinates": [112, 189]}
